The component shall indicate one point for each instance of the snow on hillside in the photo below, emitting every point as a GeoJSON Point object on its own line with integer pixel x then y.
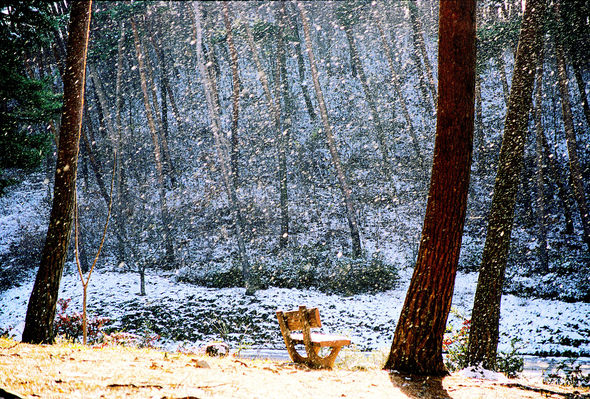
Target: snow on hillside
{"type": "Point", "coordinates": [197, 314]}
{"type": "Point", "coordinates": [189, 314]}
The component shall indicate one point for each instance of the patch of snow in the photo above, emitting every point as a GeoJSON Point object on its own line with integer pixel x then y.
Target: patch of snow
{"type": "Point", "coordinates": [482, 374]}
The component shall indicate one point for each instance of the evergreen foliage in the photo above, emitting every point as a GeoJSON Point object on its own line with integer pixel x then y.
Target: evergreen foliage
{"type": "Point", "coordinates": [27, 102]}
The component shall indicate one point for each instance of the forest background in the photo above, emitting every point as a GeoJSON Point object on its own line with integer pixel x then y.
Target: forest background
{"type": "Point", "coordinates": [291, 207]}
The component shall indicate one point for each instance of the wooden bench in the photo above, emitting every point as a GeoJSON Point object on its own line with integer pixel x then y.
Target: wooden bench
{"type": "Point", "coordinates": [304, 320]}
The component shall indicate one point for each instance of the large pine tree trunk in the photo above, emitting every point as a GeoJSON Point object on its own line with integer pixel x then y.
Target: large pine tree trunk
{"type": "Point", "coordinates": [485, 318]}
{"type": "Point", "coordinates": [577, 180]}
{"type": "Point", "coordinates": [417, 343]}
{"type": "Point", "coordinates": [344, 187]}
{"type": "Point", "coordinates": [42, 304]}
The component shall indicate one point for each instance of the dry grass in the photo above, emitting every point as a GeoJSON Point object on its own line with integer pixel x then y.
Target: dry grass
{"type": "Point", "coordinates": [76, 371]}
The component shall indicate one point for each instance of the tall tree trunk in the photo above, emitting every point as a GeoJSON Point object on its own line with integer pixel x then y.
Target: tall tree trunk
{"type": "Point", "coordinates": [582, 90]}
{"type": "Point", "coordinates": [119, 215]}
{"type": "Point", "coordinates": [235, 73]}
{"type": "Point", "coordinates": [562, 188]}
{"type": "Point", "coordinates": [282, 90]}
{"type": "Point", "coordinates": [419, 42]}
{"type": "Point", "coordinates": [479, 128]}
{"type": "Point", "coordinates": [417, 343]}
{"type": "Point", "coordinates": [223, 150]}
{"type": "Point", "coordinates": [42, 304]}
{"type": "Point", "coordinates": [397, 88]}
{"type": "Point", "coordinates": [542, 255]}
{"type": "Point", "coordinates": [275, 116]}
{"type": "Point", "coordinates": [381, 139]}
{"type": "Point", "coordinates": [577, 180]}
{"type": "Point", "coordinates": [416, 59]}
{"type": "Point", "coordinates": [502, 70]}
{"type": "Point", "coordinates": [485, 319]}
{"type": "Point", "coordinates": [301, 70]}
{"type": "Point", "coordinates": [168, 239]}
{"type": "Point", "coordinates": [159, 117]}
{"type": "Point", "coordinates": [346, 191]}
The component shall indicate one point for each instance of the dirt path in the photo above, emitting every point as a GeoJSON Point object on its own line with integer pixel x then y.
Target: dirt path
{"type": "Point", "coordinates": [75, 371]}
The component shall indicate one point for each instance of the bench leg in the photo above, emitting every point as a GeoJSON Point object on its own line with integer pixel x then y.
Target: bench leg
{"type": "Point", "coordinates": [313, 357]}
{"type": "Point", "coordinates": [326, 362]}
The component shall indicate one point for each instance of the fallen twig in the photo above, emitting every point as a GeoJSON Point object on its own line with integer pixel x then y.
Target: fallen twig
{"type": "Point", "coordinates": [567, 395]}
{"type": "Point", "coordinates": [134, 386]}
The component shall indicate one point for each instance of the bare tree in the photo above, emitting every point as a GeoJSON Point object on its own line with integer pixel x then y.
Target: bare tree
{"type": "Point", "coordinates": [344, 186]}
{"type": "Point", "coordinates": [157, 152]}
{"type": "Point", "coordinates": [540, 175]}
{"type": "Point", "coordinates": [577, 180]}
{"type": "Point", "coordinates": [223, 150]}
{"type": "Point", "coordinates": [235, 73]}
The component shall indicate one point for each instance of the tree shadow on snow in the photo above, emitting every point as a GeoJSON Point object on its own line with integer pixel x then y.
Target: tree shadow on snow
{"type": "Point", "coordinates": [419, 386]}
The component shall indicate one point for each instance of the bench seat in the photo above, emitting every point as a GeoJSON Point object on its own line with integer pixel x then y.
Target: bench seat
{"type": "Point", "coordinates": [321, 340]}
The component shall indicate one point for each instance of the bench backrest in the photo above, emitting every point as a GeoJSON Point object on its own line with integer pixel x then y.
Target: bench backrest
{"type": "Point", "coordinates": [293, 319]}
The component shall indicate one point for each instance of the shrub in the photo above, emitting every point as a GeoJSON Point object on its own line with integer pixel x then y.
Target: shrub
{"type": "Point", "coordinates": [350, 276]}
{"type": "Point", "coordinates": [568, 372]}
{"type": "Point", "coordinates": [69, 325]}
{"type": "Point", "coordinates": [305, 267]}
{"type": "Point", "coordinates": [455, 346]}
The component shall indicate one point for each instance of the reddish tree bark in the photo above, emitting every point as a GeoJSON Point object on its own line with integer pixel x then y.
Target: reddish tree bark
{"type": "Point", "coordinates": [41, 309]}
{"type": "Point", "coordinates": [417, 343]}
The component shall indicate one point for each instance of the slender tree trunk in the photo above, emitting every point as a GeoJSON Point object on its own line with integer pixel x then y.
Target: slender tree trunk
{"type": "Point", "coordinates": [395, 82]}
{"type": "Point", "coordinates": [301, 70]}
{"type": "Point", "coordinates": [543, 258]}
{"type": "Point", "coordinates": [417, 343]}
{"type": "Point", "coordinates": [159, 118]}
{"type": "Point", "coordinates": [346, 191]}
{"type": "Point", "coordinates": [235, 73]}
{"type": "Point", "coordinates": [479, 128]}
{"type": "Point", "coordinates": [381, 139]}
{"type": "Point", "coordinates": [419, 42]}
{"type": "Point", "coordinates": [42, 304]}
{"type": "Point", "coordinates": [577, 180]}
{"type": "Point", "coordinates": [502, 70]}
{"type": "Point", "coordinates": [416, 59]}
{"type": "Point", "coordinates": [118, 211]}
{"type": "Point", "coordinates": [582, 90]}
{"type": "Point", "coordinates": [562, 188]}
{"type": "Point", "coordinates": [168, 239]}
{"type": "Point", "coordinates": [282, 90]}
{"type": "Point", "coordinates": [223, 150]}
{"type": "Point", "coordinates": [275, 116]}
{"type": "Point", "coordinates": [484, 332]}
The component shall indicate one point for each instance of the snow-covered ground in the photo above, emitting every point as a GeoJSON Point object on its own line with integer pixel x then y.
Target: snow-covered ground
{"type": "Point", "coordinates": [186, 314]}
{"type": "Point", "coordinates": [195, 314]}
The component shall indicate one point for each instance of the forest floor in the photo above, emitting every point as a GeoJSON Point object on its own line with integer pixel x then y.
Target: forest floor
{"type": "Point", "coordinates": [76, 371]}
